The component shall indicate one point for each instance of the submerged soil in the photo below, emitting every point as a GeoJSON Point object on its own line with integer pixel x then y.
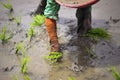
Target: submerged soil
{"type": "Point", "coordinates": [77, 61]}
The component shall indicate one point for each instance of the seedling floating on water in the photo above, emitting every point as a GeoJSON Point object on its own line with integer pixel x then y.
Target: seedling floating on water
{"type": "Point", "coordinates": [4, 37]}
{"type": "Point", "coordinates": [115, 73]}
{"type": "Point", "coordinates": [98, 33]}
{"type": "Point", "coordinates": [24, 63]}
{"type": "Point", "coordinates": [38, 20]}
{"type": "Point", "coordinates": [18, 20]}
{"type": "Point", "coordinates": [20, 47]}
{"type": "Point", "coordinates": [8, 5]}
{"type": "Point", "coordinates": [54, 56]}
{"type": "Point", "coordinates": [31, 33]}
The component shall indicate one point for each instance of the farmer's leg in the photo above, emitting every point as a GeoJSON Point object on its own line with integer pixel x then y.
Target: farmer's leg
{"type": "Point", "coordinates": [41, 7]}
{"type": "Point", "coordinates": [51, 13]}
{"type": "Point", "coordinates": [80, 20]}
{"type": "Point", "coordinates": [87, 18]}
{"type": "Point", "coordinates": [83, 19]}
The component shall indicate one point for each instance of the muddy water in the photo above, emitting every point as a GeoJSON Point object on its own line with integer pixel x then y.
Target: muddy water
{"type": "Point", "coordinates": [76, 61]}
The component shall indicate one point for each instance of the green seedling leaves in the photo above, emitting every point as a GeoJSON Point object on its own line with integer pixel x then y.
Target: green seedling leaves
{"type": "Point", "coordinates": [24, 63]}
{"type": "Point", "coordinates": [4, 37]}
{"type": "Point", "coordinates": [31, 33]}
{"type": "Point", "coordinates": [54, 56]}
{"type": "Point", "coordinates": [98, 33]}
{"type": "Point", "coordinates": [71, 78]}
{"type": "Point", "coordinates": [20, 47]}
{"type": "Point", "coordinates": [115, 73]}
{"type": "Point", "coordinates": [26, 77]}
{"type": "Point", "coordinates": [8, 5]}
{"type": "Point", "coordinates": [18, 20]}
{"type": "Point", "coordinates": [38, 20]}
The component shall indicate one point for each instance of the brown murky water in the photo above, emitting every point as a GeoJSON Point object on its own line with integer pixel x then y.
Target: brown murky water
{"type": "Point", "coordinates": [76, 61]}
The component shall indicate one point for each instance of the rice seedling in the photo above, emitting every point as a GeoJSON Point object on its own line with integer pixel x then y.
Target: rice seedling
{"type": "Point", "coordinates": [71, 78]}
{"type": "Point", "coordinates": [115, 73]}
{"type": "Point", "coordinates": [4, 37]}
{"type": "Point", "coordinates": [38, 20]}
{"type": "Point", "coordinates": [20, 47]}
{"type": "Point", "coordinates": [54, 56]}
{"type": "Point", "coordinates": [18, 20]}
{"type": "Point", "coordinates": [98, 33]}
{"type": "Point", "coordinates": [23, 65]}
{"type": "Point", "coordinates": [31, 33]}
{"type": "Point", "coordinates": [8, 5]}
{"type": "Point", "coordinates": [26, 77]}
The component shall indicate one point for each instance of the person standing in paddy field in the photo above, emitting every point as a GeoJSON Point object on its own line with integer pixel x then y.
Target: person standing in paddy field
{"type": "Point", "coordinates": [50, 9]}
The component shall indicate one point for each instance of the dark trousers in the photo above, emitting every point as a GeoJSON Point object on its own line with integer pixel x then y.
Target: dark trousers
{"type": "Point", "coordinates": [83, 16]}
{"type": "Point", "coordinates": [41, 7]}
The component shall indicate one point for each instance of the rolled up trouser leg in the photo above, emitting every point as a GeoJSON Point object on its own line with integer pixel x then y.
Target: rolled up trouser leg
{"type": "Point", "coordinates": [52, 32]}
{"type": "Point", "coordinates": [51, 14]}
{"type": "Point", "coordinates": [41, 7]}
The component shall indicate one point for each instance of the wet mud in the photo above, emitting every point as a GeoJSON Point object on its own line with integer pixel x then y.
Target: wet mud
{"type": "Point", "coordinates": [82, 58]}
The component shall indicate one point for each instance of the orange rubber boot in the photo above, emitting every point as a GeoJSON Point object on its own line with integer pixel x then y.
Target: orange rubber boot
{"type": "Point", "coordinates": [52, 32]}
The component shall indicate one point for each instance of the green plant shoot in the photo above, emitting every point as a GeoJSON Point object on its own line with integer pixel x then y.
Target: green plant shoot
{"type": "Point", "coordinates": [115, 73]}
{"type": "Point", "coordinates": [31, 33]}
{"type": "Point", "coordinates": [24, 63]}
{"type": "Point", "coordinates": [8, 5]}
{"type": "Point", "coordinates": [38, 20]}
{"type": "Point", "coordinates": [71, 78]}
{"type": "Point", "coordinates": [18, 20]}
{"type": "Point", "coordinates": [26, 77]}
{"type": "Point", "coordinates": [98, 33]}
{"type": "Point", "coordinates": [4, 37]}
{"type": "Point", "coordinates": [54, 56]}
{"type": "Point", "coordinates": [20, 47]}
